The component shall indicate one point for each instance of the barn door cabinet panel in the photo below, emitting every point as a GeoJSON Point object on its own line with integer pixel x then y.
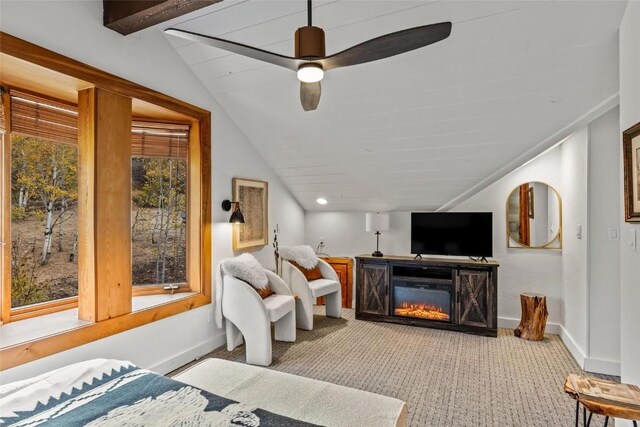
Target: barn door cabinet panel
{"type": "Point", "coordinates": [476, 305]}
{"type": "Point", "coordinates": [373, 289]}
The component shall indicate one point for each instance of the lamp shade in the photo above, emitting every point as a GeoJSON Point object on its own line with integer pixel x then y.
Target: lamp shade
{"type": "Point", "coordinates": [236, 217]}
{"type": "Point", "coordinates": [377, 221]}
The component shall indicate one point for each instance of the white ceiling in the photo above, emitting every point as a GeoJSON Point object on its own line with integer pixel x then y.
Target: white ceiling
{"type": "Point", "coordinates": [416, 130]}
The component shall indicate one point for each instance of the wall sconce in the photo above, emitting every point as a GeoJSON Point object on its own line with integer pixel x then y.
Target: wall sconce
{"type": "Point", "coordinates": [236, 216]}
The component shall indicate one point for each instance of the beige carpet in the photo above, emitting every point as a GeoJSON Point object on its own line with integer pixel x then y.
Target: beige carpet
{"type": "Point", "coordinates": [447, 378]}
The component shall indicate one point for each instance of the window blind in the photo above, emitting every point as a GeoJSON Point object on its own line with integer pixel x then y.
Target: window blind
{"type": "Point", "coordinates": [39, 117]}
{"type": "Point", "coordinates": [153, 139]}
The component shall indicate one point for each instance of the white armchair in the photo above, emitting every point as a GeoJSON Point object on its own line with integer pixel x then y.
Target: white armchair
{"type": "Point", "coordinates": [248, 315]}
{"type": "Point", "coordinates": [327, 287]}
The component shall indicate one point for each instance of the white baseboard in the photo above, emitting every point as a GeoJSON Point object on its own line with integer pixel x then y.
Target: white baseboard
{"type": "Point", "coordinates": [510, 323]}
{"type": "Point", "coordinates": [174, 362]}
{"type": "Point", "coordinates": [573, 347]}
{"type": "Point", "coordinates": [600, 366]}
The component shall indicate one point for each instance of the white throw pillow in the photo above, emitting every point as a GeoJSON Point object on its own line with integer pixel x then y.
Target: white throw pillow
{"type": "Point", "coordinates": [303, 255]}
{"type": "Point", "coordinates": [247, 268]}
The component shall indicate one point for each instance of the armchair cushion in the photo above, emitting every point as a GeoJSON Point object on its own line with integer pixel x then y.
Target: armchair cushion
{"type": "Point", "coordinates": [246, 267]}
{"type": "Point", "coordinates": [322, 287]}
{"type": "Point", "coordinates": [309, 273]}
{"type": "Point", "coordinates": [279, 305]}
{"type": "Point", "coordinates": [304, 255]}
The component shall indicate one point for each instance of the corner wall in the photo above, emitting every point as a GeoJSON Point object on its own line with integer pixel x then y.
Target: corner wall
{"type": "Point", "coordinates": [630, 260]}
{"type": "Point", "coordinates": [574, 165]}
{"type": "Point", "coordinates": [604, 245]}
{"type": "Point", "coordinates": [74, 29]}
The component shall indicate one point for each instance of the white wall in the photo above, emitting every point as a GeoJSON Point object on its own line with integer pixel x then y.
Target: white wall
{"type": "Point", "coordinates": [523, 270]}
{"type": "Point", "coordinates": [343, 233]}
{"type": "Point", "coordinates": [604, 251]}
{"type": "Point", "coordinates": [574, 166]}
{"type": "Point", "coordinates": [629, 260]}
{"type": "Point", "coordinates": [75, 29]}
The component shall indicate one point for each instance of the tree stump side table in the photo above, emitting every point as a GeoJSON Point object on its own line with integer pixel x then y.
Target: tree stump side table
{"type": "Point", "coordinates": [534, 317]}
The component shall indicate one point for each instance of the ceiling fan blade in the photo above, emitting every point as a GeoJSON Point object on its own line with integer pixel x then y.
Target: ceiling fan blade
{"type": "Point", "coordinates": [388, 45]}
{"type": "Point", "coordinates": [240, 49]}
{"type": "Point", "coordinates": [310, 95]}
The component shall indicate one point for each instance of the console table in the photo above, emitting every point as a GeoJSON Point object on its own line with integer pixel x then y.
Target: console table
{"type": "Point", "coordinates": [453, 294]}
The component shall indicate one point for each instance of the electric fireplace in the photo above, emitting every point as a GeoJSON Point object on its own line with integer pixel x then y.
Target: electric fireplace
{"type": "Point", "coordinates": [423, 300]}
{"type": "Point", "coordinates": [444, 293]}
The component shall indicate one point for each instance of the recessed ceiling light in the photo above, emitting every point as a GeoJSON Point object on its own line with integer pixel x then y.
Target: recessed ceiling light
{"type": "Point", "coordinates": [321, 201]}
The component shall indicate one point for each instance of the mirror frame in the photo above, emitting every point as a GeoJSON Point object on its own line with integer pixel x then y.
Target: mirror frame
{"type": "Point", "coordinates": [553, 244]}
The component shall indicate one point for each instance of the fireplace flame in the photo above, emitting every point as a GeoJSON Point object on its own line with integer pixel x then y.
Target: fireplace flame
{"type": "Point", "coordinates": [422, 311]}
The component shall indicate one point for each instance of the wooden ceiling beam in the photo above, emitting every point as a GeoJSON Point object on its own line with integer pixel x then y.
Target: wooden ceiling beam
{"type": "Point", "coordinates": [130, 16]}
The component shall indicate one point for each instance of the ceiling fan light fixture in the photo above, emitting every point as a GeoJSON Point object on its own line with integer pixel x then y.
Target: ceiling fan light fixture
{"type": "Point", "coordinates": [310, 73]}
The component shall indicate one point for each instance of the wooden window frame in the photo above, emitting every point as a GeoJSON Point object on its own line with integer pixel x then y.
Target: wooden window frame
{"type": "Point", "coordinates": [10, 314]}
{"type": "Point", "coordinates": [7, 313]}
{"type": "Point", "coordinates": [198, 215]}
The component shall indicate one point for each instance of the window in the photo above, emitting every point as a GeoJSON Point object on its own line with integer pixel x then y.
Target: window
{"type": "Point", "coordinates": [159, 203]}
{"type": "Point", "coordinates": [44, 203]}
{"type": "Point", "coordinates": [44, 232]}
{"type": "Point", "coordinates": [105, 197]}
{"type": "Point", "coordinates": [43, 199]}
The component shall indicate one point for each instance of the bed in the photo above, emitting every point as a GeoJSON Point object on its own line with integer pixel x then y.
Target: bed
{"type": "Point", "coordinates": [214, 392]}
{"type": "Point", "coordinates": [305, 399]}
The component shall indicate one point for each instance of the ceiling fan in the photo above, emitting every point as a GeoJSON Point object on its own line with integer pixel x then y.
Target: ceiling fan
{"type": "Point", "coordinates": [310, 61]}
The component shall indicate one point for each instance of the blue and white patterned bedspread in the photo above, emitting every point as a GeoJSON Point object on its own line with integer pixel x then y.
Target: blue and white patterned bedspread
{"type": "Point", "coordinates": [114, 393]}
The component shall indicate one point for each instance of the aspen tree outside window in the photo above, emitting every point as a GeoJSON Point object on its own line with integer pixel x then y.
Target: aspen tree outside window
{"type": "Point", "coordinates": [159, 203]}
{"type": "Point", "coordinates": [44, 200]}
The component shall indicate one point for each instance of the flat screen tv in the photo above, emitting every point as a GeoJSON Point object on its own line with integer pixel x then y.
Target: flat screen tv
{"type": "Point", "coordinates": [452, 233]}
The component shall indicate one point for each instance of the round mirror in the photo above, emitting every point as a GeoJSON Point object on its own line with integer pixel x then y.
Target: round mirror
{"type": "Point", "coordinates": [534, 217]}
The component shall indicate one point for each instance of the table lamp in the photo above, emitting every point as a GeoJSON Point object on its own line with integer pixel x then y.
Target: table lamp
{"type": "Point", "coordinates": [377, 221]}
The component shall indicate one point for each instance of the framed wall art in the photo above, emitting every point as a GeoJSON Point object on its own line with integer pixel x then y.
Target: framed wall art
{"type": "Point", "coordinates": [631, 159]}
{"type": "Point", "coordinates": [253, 196]}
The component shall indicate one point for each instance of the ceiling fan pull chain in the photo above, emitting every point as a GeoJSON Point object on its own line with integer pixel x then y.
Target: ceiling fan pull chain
{"type": "Point", "coordinates": [309, 12]}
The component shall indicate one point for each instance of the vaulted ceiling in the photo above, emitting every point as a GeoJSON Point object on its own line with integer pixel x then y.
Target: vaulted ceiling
{"type": "Point", "coordinates": [417, 130]}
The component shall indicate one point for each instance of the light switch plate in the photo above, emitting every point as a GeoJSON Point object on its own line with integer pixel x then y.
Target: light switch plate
{"type": "Point", "coordinates": [613, 233]}
{"type": "Point", "coordinates": [579, 231]}
{"type": "Point", "coordinates": [632, 240]}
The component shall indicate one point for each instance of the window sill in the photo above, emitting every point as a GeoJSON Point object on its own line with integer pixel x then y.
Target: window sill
{"type": "Point", "coordinates": [30, 339]}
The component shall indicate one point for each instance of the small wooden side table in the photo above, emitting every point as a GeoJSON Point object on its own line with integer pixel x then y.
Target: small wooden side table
{"type": "Point", "coordinates": [534, 317]}
{"type": "Point", "coordinates": [604, 398]}
{"type": "Point", "coordinates": [344, 269]}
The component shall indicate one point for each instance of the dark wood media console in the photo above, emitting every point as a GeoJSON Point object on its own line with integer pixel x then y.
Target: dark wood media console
{"type": "Point", "coordinates": [442, 293]}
